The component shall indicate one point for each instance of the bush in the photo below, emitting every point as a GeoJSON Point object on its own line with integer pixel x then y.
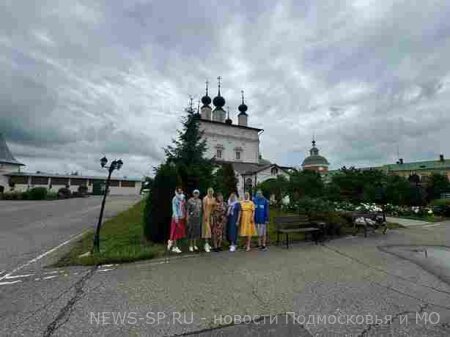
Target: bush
{"type": "Point", "coordinates": [158, 207]}
{"type": "Point", "coordinates": [12, 195]}
{"type": "Point", "coordinates": [51, 195]}
{"type": "Point", "coordinates": [311, 206]}
{"type": "Point", "coordinates": [37, 193]}
{"type": "Point", "coordinates": [304, 184]}
{"type": "Point", "coordinates": [64, 193]}
{"type": "Point", "coordinates": [441, 207]}
{"type": "Point", "coordinates": [335, 221]}
{"type": "Point", "coordinates": [224, 180]}
{"type": "Point", "coordinates": [82, 190]}
{"type": "Point", "coordinates": [276, 187]}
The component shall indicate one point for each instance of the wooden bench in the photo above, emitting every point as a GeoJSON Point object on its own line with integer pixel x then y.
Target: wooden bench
{"type": "Point", "coordinates": [297, 224]}
{"type": "Point", "coordinates": [368, 220]}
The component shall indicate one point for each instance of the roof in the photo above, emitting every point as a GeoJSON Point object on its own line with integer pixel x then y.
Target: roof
{"type": "Point", "coordinates": [315, 160]}
{"type": "Point", "coordinates": [6, 156]}
{"type": "Point", "coordinates": [230, 125]}
{"type": "Point", "coordinates": [419, 165]}
{"type": "Point", "coordinates": [263, 161]}
{"type": "Point", "coordinates": [252, 168]}
{"type": "Point", "coordinates": [55, 175]}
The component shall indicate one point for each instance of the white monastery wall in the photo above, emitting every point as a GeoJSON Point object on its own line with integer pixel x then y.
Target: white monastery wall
{"type": "Point", "coordinates": [229, 140]}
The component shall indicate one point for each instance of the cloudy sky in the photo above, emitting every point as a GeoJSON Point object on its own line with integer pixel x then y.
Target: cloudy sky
{"type": "Point", "coordinates": [83, 78]}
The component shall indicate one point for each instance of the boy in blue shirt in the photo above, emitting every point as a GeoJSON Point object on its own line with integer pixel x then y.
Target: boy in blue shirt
{"type": "Point", "coordinates": [261, 218]}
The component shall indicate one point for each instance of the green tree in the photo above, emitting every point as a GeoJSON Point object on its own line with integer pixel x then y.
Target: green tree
{"type": "Point", "coordinates": [305, 184]}
{"type": "Point", "coordinates": [158, 206]}
{"type": "Point", "coordinates": [347, 185]}
{"type": "Point", "coordinates": [188, 154]}
{"type": "Point", "coordinates": [225, 180]}
{"type": "Point", "coordinates": [435, 185]}
{"type": "Point", "coordinates": [399, 191]}
{"type": "Point", "coordinates": [185, 165]}
{"type": "Point", "coordinates": [278, 187]}
{"type": "Point", "coordinates": [355, 185]}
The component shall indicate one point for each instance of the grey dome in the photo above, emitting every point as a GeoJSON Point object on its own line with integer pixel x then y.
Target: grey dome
{"type": "Point", "coordinates": [315, 160]}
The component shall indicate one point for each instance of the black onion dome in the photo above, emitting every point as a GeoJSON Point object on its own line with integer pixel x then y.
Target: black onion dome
{"type": "Point", "coordinates": [243, 108]}
{"type": "Point", "coordinates": [206, 100]}
{"type": "Point", "coordinates": [219, 101]}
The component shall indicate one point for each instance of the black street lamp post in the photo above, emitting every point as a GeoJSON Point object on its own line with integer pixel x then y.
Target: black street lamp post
{"type": "Point", "coordinates": [115, 165]}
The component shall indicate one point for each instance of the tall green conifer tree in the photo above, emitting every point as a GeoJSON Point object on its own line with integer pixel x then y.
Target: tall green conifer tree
{"type": "Point", "coordinates": [185, 165]}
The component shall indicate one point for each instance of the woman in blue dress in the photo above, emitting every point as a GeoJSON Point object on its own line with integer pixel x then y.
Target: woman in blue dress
{"type": "Point", "coordinates": [234, 214]}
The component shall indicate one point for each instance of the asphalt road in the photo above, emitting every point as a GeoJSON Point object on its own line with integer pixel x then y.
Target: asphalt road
{"type": "Point", "coordinates": [31, 228]}
{"type": "Point", "coordinates": [351, 286]}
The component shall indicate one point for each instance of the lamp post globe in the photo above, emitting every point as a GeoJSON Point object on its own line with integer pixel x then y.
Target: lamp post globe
{"type": "Point", "coordinates": [103, 161]}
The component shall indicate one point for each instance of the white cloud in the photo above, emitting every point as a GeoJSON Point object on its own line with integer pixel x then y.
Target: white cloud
{"type": "Point", "coordinates": [84, 78]}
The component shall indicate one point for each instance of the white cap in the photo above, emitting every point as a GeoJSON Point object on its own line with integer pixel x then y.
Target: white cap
{"type": "Point", "coordinates": [196, 191]}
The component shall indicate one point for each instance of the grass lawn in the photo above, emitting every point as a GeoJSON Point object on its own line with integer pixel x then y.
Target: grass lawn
{"type": "Point", "coordinates": [121, 240]}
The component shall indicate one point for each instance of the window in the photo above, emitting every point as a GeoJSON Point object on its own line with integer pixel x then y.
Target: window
{"type": "Point", "coordinates": [114, 183]}
{"type": "Point", "coordinates": [127, 183]}
{"type": "Point", "coordinates": [219, 153]}
{"type": "Point", "coordinates": [18, 180]}
{"type": "Point", "coordinates": [78, 181]}
{"type": "Point", "coordinates": [238, 155]}
{"type": "Point", "coordinates": [39, 180]}
{"type": "Point", "coordinates": [274, 171]}
{"type": "Point", "coordinates": [60, 181]}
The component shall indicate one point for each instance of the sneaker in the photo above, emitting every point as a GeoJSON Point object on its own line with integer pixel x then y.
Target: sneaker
{"type": "Point", "coordinates": [196, 248]}
{"type": "Point", "coordinates": [264, 248]}
{"type": "Point", "coordinates": [207, 248]}
{"type": "Point", "coordinates": [169, 244]}
{"type": "Point", "coordinates": [232, 248]}
{"type": "Point", "coordinates": [176, 250]}
{"type": "Point", "coordinates": [191, 249]}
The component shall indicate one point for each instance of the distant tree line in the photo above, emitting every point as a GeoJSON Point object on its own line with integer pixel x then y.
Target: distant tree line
{"type": "Point", "coordinates": [356, 186]}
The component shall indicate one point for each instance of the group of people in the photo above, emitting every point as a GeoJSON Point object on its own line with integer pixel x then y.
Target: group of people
{"type": "Point", "coordinates": [214, 219]}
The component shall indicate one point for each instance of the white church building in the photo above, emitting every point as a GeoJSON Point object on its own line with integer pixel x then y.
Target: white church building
{"type": "Point", "coordinates": [237, 144]}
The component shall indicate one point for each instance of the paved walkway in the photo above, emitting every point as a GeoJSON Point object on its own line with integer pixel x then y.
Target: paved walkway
{"type": "Point", "coordinates": [29, 229]}
{"type": "Point", "coordinates": [408, 222]}
{"type": "Point", "coordinates": [273, 292]}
